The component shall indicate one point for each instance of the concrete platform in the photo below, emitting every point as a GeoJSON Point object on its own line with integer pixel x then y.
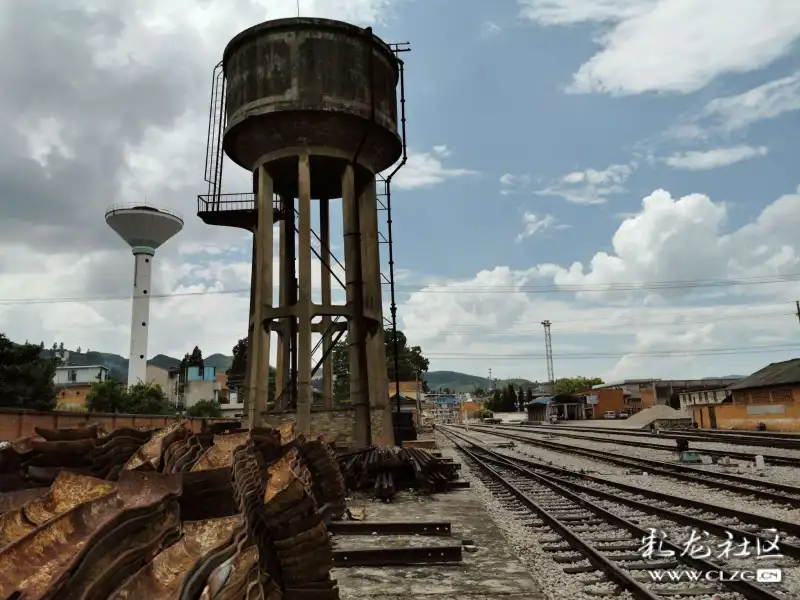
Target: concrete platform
{"type": "Point", "coordinates": [491, 572]}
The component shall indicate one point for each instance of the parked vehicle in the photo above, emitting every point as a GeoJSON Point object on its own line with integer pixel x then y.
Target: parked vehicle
{"type": "Point", "coordinates": [622, 415]}
{"type": "Point", "coordinates": [609, 414]}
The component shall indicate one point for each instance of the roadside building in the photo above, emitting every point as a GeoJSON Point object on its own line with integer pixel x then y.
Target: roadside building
{"type": "Point", "coordinates": [769, 398]}
{"type": "Point", "coordinates": [640, 394]}
{"type": "Point", "coordinates": [565, 407]}
{"type": "Point", "coordinates": [73, 383]}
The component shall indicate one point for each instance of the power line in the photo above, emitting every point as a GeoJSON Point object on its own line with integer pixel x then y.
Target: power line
{"type": "Point", "coordinates": [601, 355]}
{"type": "Point", "coordinates": [456, 289]}
{"type": "Point", "coordinates": [612, 326]}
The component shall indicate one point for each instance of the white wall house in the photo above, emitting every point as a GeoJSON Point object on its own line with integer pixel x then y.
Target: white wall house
{"type": "Point", "coordinates": [75, 375]}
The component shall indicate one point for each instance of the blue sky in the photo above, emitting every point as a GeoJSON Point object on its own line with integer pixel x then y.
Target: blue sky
{"type": "Point", "coordinates": [569, 160]}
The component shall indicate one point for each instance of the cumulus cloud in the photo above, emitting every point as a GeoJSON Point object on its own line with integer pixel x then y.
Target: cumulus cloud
{"type": "Point", "coordinates": [426, 169]}
{"type": "Point", "coordinates": [534, 224]}
{"type": "Point", "coordinates": [590, 186]}
{"type": "Point", "coordinates": [705, 40]}
{"type": "Point", "coordinates": [490, 29]}
{"type": "Point", "coordinates": [647, 308]}
{"type": "Point", "coordinates": [697, 160]}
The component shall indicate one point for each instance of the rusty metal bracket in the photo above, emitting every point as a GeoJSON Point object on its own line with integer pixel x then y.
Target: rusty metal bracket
{"type": "Point", "coordinates": [387, 557]}
{"type": "Point", "coordinates": [390, 528]}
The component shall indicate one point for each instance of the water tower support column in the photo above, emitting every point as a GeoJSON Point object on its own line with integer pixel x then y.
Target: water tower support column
{"type": "Point", "coordinates": [282, 347]}
{"type": "Point", "coordinates": [304, 390]}
{"type": "Point", "coordinates": [373, 310]}
{"type": "Point", "coordinates": [258, 385]}
{"type": "Point", "coordinates": [325, 283]}
{"type": "Point", "coordinates": [140, 314]}
{"type": "Point", "coordinates": [356, 333]}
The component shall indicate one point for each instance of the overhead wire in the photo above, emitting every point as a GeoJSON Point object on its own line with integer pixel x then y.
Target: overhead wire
{"type": "Point", "coordinates": [459, 289]}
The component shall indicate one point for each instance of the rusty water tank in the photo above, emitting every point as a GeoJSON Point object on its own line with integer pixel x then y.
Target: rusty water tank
{"type": "Point", "coordinates": [311, 85]}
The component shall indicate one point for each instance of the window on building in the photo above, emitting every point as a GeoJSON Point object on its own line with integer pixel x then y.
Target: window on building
{"type": "Point", "coordinates": [72, 375]}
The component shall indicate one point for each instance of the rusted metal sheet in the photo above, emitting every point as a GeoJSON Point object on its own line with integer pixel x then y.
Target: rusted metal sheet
{"type": "Point", "coordinates": [13, 500]}
{"type": "Point", "coordinates": [66, 434]}
{"type": "Point", "coordinates": [67, 492]}
{"type": "Point", "coordinates": [161, 578]}
{"type": "Point", "coordinates": [150, 454]}
{"type": "Point", "coordinates": [220, 455]}
{"type": "Point", "coordinates": [38, 564]}
{"type": "Point", "coordinates": [121, 552]}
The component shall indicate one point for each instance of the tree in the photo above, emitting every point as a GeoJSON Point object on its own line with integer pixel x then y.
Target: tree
{"type": "Point", "coordinates": [528, 395]}
{"type": "Point", "coordinates": [55, 345]}
{"type": "Point", "coordinates": [78, 351]}
{"type": "Point", "coordinates": [412, 362]}
{"type": "Point", "coordinates": [148, 399]}
{"type": "Point", "coordinates": [140, 399]}
{"type": "Point", "coordinates": [480, 392]}
{"type": "Point", "coordinates": [573, 385]}
{"type": "Point", "coordinates": [108, 396]}
{"type": "Point", "coordinates": [61, 346]}
{"type": "Point", "coordinates": [495, 402]}
{"type": "Point", "coordinates": [205, 408]}
{"type": "Point", "coordinates": [41, 345]}
{"type": "Point", "coordinates": [239, 362]}
{"type": "Point", "coordinates": [26, 378]}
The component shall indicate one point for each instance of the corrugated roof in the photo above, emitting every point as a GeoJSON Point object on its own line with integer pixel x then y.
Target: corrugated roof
{"type": "Point", "coordinates": [780, 373]}
{"type": "Point", "coordinates": [545, 400]}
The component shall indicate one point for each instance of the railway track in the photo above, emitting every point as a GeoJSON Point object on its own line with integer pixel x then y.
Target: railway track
{"type": "Point", "coordinates": [787, 441]}
{"type": "Point", "coordinates": [779, 493]}
{"type": "Point", "coordinates": [591, 525]}
{"type": "Point", "coordinates": [771, 459]}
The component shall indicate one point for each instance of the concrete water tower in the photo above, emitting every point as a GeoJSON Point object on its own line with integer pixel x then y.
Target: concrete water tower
{"type": "Point", "coordinates": [309, 107]}
{"type": "Point", "coordinates": [144, 228]}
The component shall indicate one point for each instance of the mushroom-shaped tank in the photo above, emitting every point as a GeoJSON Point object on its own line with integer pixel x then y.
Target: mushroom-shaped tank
{"type": "Point", "coordinates": [316, 86]}
{"type": "Point", "coordinates": [143, 226]}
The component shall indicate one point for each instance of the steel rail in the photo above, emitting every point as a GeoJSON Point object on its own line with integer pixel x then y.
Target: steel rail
{"type": "Point", "coordinates": [592, 554]}
{"type": "Point", "coordinates": [747, 589]}
{"type": "Point", "coordinates": [785, 441]}
{"type": "Point", "coordinates": [762, 521]}
{"type": "Point", "coordinates": [726, 481]}
{"type": "Point", "coordinates": [768, 458]}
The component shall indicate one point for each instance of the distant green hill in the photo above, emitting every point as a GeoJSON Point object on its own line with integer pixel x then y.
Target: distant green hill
{"type": "Point", "coordinates": [461, 382]}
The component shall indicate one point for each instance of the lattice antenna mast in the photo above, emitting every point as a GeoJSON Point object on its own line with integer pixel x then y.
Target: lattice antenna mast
{"type": "Point", "coordinates": [548, 348]}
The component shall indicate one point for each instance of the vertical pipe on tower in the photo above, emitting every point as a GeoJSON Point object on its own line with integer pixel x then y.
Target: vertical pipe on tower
{"type": "Point", "coordinates": [325, 282]}
{"type": "Point", "coordinates": [304, 390]}
{"type": "Point", "coordinates": [140, 314]}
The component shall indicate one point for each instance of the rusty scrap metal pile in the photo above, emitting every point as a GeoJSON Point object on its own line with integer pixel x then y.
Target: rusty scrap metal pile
{"type": "Point", "coordinates": [385, 470]}
{"type": "Point", "coordinates": [168, 514]}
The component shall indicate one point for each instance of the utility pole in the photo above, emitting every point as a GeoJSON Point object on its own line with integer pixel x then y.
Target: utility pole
{"type": "Point", "coordinates": [548, 347]}
{"type": "Point", "coordinates": [797, 303]}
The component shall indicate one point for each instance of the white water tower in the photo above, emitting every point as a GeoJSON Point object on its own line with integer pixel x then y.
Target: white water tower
{"type": "Point", "coordinates": [144, 228]}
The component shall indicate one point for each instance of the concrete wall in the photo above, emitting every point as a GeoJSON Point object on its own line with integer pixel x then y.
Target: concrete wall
{"type": "Point", "coordinates": [778, 408]}
{"type": "Point", "coordinates": [15, 424]}
{"type": "Point", "coordinates": [649, 398]}
{"type": "Point", "coordinates": [73, 397]}
{"type": "Point", "coordinates": [608, 399]}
